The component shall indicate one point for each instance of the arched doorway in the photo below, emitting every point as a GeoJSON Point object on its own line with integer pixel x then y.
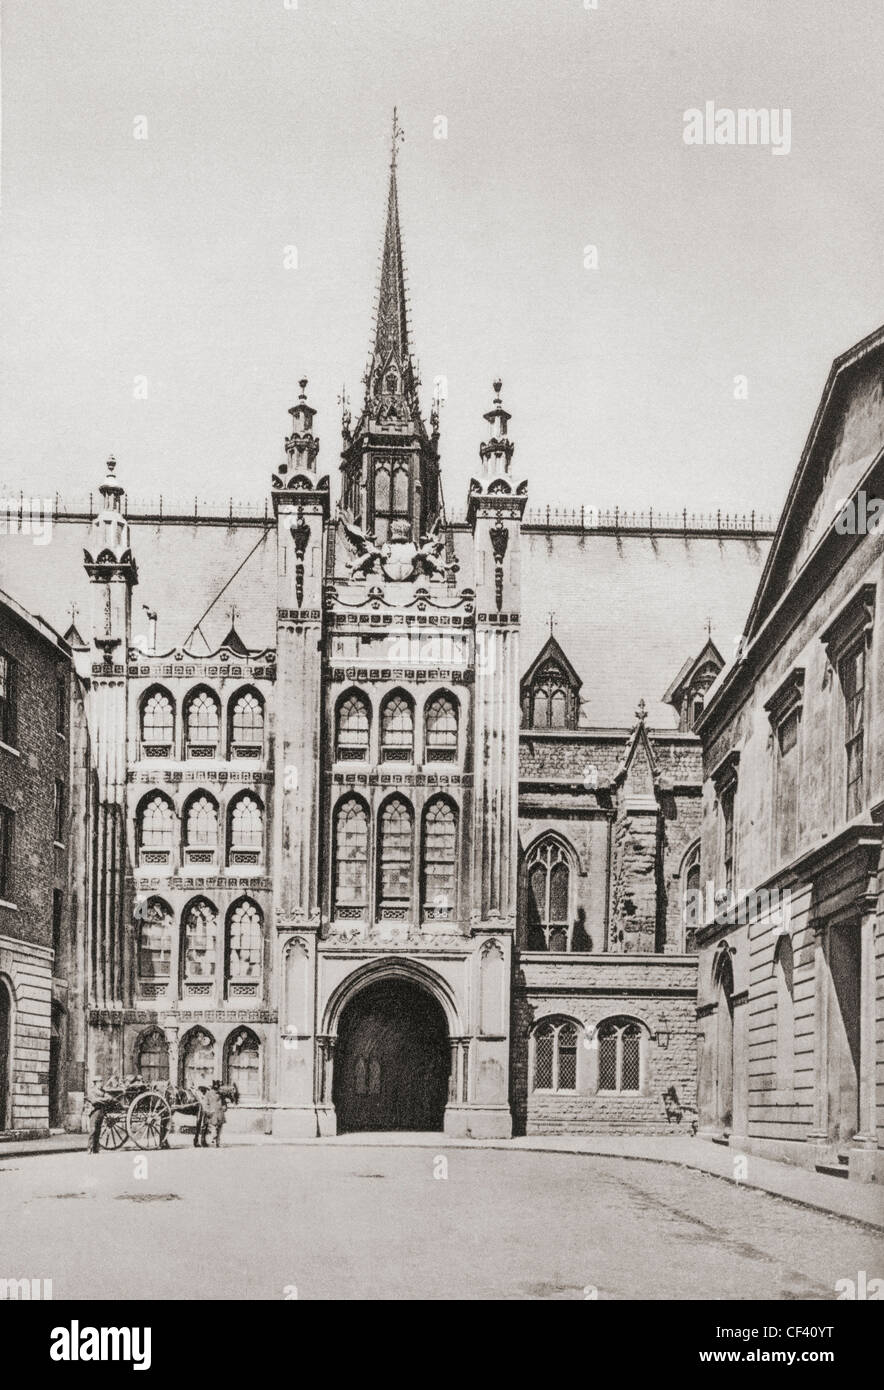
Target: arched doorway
{"type": "Point", "coordinates": [56, 1053]}
{"type": "Point", "coordinates": [725, 1048]}
{"type": "Point", "coordinates": [392, 1060]}
{"type": "Point", "coordinates": [5, 1053]}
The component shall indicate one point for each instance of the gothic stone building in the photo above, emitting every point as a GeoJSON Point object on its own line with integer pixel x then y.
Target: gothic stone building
{"type": "Point", "coordinates": [791, 980]}
{"type": "Point", "coordinates": [391, 812]}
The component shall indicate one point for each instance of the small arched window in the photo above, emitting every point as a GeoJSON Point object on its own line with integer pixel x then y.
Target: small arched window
{"type": "Point", "coordinates": [619, 1044]}
{"type": "Point", "coordinates": [242, 1063]}
{"type": "Point", "coordinates": [440, 730]}
{"type": "Point", "coordinates": [555, 1055]}
{"type": "Point", "coordinates": [202, 721]}
{"type": "Point", "coordinates": [157, 725]}
{"type": "Point", "coordinates": [154, 938]}
{"type": "Point", "coordinates": [156, 827]}
{"type": "Point", "coordinates": [784, 967]}
{"type": "Point", "coordinates": [152, 1056]}
{"type": "Point", "coordinates": [549, 891]}
{"type": "Point", "coordinates": [201, 829]}
{"type": "Point", "coordinates": [395, 855]}
{"type": "Point", "coordinates": [551, 698]}
{"type": "Point", "coordinates": [691, 899]}
{"type": "Point", "coordinates": [439, 860]}
{"type": "Point", "coordinates": [245, 942]}
{"type": "Point", "coordinates": [245, 830]}
{"type": "Point", "coordinates": [350, 886]}
{"type": "Point", "coordinates": [200, 940]}
{"type": "Point", "coordinates": [197, 1059]}
{"type": "Point", "coordinates": [352, 731]}
{"type": "Point", "coordinates": [397, 729]}
{"type": "Point", "coordinates": [246, 731]}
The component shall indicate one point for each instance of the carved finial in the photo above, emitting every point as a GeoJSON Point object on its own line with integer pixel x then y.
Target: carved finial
{"type": "Point", "coordinates": [111, 464]}
{"type": "Point", "coordinates": [552, 623]}
{"type": "Point", "coordinates": [303, 385]}
{"type": "Point", "coordinates": [641, 712]}
{"type": "Point", "coordinates": [498, 386]}
{"type": "Point", "coordinates": [709, 627]}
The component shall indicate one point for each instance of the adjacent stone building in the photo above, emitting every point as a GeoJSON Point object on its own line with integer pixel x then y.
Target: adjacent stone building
{"type": "Point", "coordinates": [42, 813]}
{"type": "Point", "coordinates": [791, 979]}
{"type": "Point", "coordinates": [392, 809]}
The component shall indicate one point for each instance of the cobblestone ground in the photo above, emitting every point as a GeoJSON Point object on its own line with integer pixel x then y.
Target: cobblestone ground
{"type": "Point", "coordinates": [342, 1222]}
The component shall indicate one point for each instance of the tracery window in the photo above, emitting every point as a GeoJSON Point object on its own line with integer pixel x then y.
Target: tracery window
{"type": "Point", "coordinates": [202, 722]}
{"type": "Point", "coordinates": [245, 830]}
{"type": "Point", "coordinates": [243, 1063]}
{"type": "Point", "coordinates": [155, 922]}
{"type": "Point", "coordinates": [351, 859]}
{"type": "Point", "coordinates": [395, 857]}
{"type": "Point", "coordinates": [549, 888]}
{"type": "Point", "coordinates": [397, 729]}
{"type": "Point", "coordinates": [157, 725]}
{"type": "Point", "coordinates": [550, 699]}
{"type": "Point", "coordinates": [247, 725]}
{"type": "Point", "coordinates": [156, 828]}
{"type": "Point", "coordinates": [152, 1057]}
{"type": "Point", "coordinates": [197, 1059]}
{"type": "Point", "coordinates": [353, 725]}
{"type": "Point", "coordinates": [245, 942]}
{"type": "Point", "coordinates": [691, 901]}
{"type": "Point", "coordinates": [555, 1055]}
{"type": "Point", "coordinates": [391, 487]}
{"type": "Point", "coordinates": [201, 828]}
{"type": "Point", "coordinates": [439, 859]}
{"type": "Point", "coordinates": [200, 940]}
{"type": "Point", "coordinates": [440, 730]}
{"type": "Point", "coordinates": [619, 1044]}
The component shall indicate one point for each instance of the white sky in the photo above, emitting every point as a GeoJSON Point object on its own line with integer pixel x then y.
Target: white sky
{"type": "Point", "coordinates": [270, 127]}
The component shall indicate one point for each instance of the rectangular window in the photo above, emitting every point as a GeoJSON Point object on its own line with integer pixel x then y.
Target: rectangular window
{"type": "Point", "coordinates": [7, 699]}
{"type": "Point", "coordinates": [7, 832]}
{"type": "Point", "coordinates": [57, 904]}
{"type": "Point", "coordinates": [60, 811]}
{"type": "Point", "coordinates": [787, 783]}
{"type": "Point", "coordinates": [853, 683]}
{"type": "Point", "coordinates": [61, 702]}
{"type": "Point", "coordinates": [727, 817]}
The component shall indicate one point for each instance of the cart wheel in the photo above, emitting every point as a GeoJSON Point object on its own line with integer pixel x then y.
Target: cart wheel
{"type": "Point", "coordinates": [148, 1119]}
{"type": "Point", "coordinates": [113, 1130]}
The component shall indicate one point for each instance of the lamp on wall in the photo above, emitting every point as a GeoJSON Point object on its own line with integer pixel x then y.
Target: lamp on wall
{"type": "Point", "coordinates": [662, 1038]}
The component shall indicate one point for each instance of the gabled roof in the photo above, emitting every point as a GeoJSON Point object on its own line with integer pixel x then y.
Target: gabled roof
{"type": "Point", "coordinates": [831, 440]}
{"type": "Point", "coordinates": [551, 651]}
{"type": "Point", "coordinates": [709, 655]}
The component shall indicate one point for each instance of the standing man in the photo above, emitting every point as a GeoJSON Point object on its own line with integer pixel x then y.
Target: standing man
{"type": "Point", "coordinates": [99, 1101]}
{"type": "Point", "coordinates": [214, 1106]}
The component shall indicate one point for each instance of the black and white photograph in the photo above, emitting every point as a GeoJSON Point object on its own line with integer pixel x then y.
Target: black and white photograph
{"type": "Point", "coordinates": [442, 667]}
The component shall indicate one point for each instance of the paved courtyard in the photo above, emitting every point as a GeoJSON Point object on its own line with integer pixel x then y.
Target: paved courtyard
{"type": "Point", "coordinates": [396, 1222]}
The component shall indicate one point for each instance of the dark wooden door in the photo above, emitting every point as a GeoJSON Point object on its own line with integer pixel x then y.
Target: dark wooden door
{"type": "Point", "coordinates": [391, 1060]}
{"type": "Point", "coordinates": [5, 1052]}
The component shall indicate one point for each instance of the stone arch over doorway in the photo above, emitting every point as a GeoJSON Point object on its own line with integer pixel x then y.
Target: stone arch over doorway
{"type": "Point", "coordinates": [392, 1053]}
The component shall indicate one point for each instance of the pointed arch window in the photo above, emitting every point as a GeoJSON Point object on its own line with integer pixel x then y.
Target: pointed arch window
{"type": "Point", "coordinates": [242, 1064]}
{"type": "Point", "coordinates": [391, 489]}
{"type": "Point", "coordinates": [620, 1056]}
{"type": "Point", "coordinates": [551, 698]}
{"type": "Point", "coordinates": [245, 942]}
{"type": "Point", "coordinates": [549, 897]}
{"type": "Point", "coordinates": [154, 940]}
{"type": "Point", "coordinates": [397, 729]}
{"type": "Point", "coordinates": [440, 730]}
{"type": "Point", "coordinates": [245, 830]}
{"type": "Point", "coordinates": [352, 731]}
{"type": "Point", "coordinates": [200, 940]}
{"type": "Point", "coordinates": [350, 887]}
{"type": "Point", "coordinates": [439, 860]}
{"type": "Point", "coordinates": [201, 829]}
{"type": "Point", "coordinates": [246, 733]}
{"type": "Point", "coordinates": [555, 1055]}
{"type": "Point", "coordinates": [202, 724]}
{"type": "Point", "coordinates": [197, 1059]}
{"type": "Point", "coordinates": [152, 1057]}
{"type": "Point", "coordinates": [157, 725]}
{"type": "Point", "coordinates": [156, 828]}
{"type": "Point", "coordinates": [395, 856]}
{"type": "Point", "coordinates": [691, 901]}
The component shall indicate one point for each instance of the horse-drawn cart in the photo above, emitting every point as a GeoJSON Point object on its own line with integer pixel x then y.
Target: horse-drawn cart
{"type": "Point", "coordinates": [143, 1112]}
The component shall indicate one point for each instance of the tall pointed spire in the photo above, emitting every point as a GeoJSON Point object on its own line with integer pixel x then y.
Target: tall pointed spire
{"type": "Point", "coordinates": [390, 382]}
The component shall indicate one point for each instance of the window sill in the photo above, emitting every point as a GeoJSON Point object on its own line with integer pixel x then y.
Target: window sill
{"type": "Point", "coordinates": [8, 748]}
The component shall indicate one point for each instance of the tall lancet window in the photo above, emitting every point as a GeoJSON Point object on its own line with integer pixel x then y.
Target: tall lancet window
{"type": "Point", "coordinates": [396, 852]}
{"type": "Point", "coordinates": [351, 859]}
{"type": "Point", "coordinates": [391, 494]}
